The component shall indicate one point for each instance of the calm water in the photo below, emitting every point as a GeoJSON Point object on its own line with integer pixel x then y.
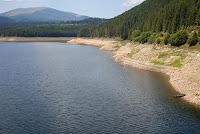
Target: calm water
{"type": "Point", "coordinates": [57, 88]}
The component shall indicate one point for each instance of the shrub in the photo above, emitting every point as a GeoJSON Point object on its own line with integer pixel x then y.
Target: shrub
{"type": "Point", "coordinates": [152, 38]}
{"type": "Point", "coordinates": [155, 38]}
{"type": "Point", "coordinates": [166, 38]}
{"type": "Point", "coordinates": [134, 34]}
{"type": "Point", "coordinates": [144, 37]}
{"type": "Point", "coordinates": [159, 40]}
{"type": "Point", "coordinates": [179, 38]}
{"type": "Point", "coordinates": [193, 40]}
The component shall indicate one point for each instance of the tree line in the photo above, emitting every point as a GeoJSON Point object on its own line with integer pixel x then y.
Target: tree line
{"type": "Point", "coordinates": [62, 29]}
{"type": "Point", "coordinates": [152, 16]}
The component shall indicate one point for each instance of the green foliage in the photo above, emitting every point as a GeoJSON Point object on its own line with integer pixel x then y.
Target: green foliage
{"type": "Point", "coordinates": [176, 63]}
{"type": "Point", "coordinates": [166, 38]}
{"type": "Point", "coordinates": [153, 15]}
{"type": "Point", "coordinates": [144, 37]}
{"type": "Point", "coordinates": [179, 38]}
{"type": "Point", "coordinates": [165, 54]}
{"type": "Point", "coordinates": [152, 38]}
{"type": "Point", "coordinates": [193, 40]}
{"type": "Point", "coordinates": [158, 62]}
{"type": "Point", "coordinates": [134, 34]}
{"type": "Point", "coordinates": [199, 32]}
{"type": "Point", "coordinates": [85, 32]}
{"type": "Point", "coordinates": [159, 40]}
{"type": "Point", "coordinates": [64, 29]}
{"type": "Point", "coordinates": [130, 55]}
{"type": "Point", "coordinates": [156, 38]}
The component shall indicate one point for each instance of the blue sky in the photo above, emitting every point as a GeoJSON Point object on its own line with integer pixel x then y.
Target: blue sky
{"type": "Point", "coordinates": [93, 8]}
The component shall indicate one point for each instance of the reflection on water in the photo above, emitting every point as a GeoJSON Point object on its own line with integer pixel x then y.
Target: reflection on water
{"type": "Point", "coordinates": [62, 88]}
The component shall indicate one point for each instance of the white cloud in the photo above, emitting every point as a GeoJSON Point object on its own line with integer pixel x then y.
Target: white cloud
{"type": "Point", "coordinates": [132, 3]}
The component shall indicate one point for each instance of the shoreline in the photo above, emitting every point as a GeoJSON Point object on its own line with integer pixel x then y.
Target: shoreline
{"type": "Point", "coordinates": [34, 39]}
{"type": "Point", "coordinates": [184, 79]}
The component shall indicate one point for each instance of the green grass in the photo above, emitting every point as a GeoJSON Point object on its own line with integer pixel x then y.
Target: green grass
{"type": "Point", "coordinates": [176, 63]}
{"type": "Point", "coordinates": [164, 54]}
{"type": "Point", "coordinates": [158, 62]}
{"type": "Point", "coordinates": [130, 55]}
{"type": "Point", "coordinates": [133, 52]}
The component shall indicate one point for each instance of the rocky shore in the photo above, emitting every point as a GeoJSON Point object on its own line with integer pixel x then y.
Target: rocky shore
{"type": "Point", "coordinates": [182, 66]}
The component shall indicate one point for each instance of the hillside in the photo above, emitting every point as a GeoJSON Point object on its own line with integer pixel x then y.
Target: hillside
{"type": "Point", "coordinates": [153, 15]}
{"type": "Point", "coordinates": [63, 29]}
{"type": "Point", "coordinates": [41, 14]}
{"type": "Point", "coordinates": [5, 20]}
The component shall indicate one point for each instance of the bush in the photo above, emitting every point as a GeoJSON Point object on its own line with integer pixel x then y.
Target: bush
{"type": "Point", "coordinates": [152, 38]}
{"type": "Point", "coordinates": [166, 38]}
{"type": "Point", "coordinates": [144, 37]}
{"type": "Point", "coordinates": [159, 40]}
{"type": "Point", "coordinates": [134, 34]}
{"type": "Point", "coordinates": [193, 40]}
{"type": "Point", "coordinates": [179, 38]}
{"type": "Point", "coordinates": [156, 38]}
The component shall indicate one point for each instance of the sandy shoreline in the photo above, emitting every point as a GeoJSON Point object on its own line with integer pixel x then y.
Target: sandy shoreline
{"type": "Point", "coordinates": [185, 79]}
{"type": "Point", "coordinates": [34, 39]}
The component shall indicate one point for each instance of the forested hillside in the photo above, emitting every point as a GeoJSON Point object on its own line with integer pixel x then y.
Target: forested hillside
{"type": "Point", "coordinates": [154, 16]}
{"type": "Point", "coordinates": [63, 29]}
{"type": "Point", "coordinates": [5, 20]}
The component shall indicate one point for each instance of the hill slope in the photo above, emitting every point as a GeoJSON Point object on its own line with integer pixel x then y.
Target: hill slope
{"type": "Point", "coordinates": [42, 14]}
{"type": "Point", "coordinates": [153, 15]}
{"type": "Point", "coordinates": [63, 29]}
{"type": "Point", "coordinates": [5, 20]}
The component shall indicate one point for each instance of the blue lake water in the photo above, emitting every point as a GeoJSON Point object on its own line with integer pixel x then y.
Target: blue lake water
{"type": "Point", "coordinates": [60, 88]}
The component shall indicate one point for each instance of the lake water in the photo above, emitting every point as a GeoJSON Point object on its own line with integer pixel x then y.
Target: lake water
{"type": "Point", "coordinates": [58, 88]}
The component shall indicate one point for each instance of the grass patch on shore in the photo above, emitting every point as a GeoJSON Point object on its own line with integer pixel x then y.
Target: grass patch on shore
{"type": "Point", "coordinates": [132, 53]}
{"type": "Point", "coordinates": [171, 58]}
{"type": "Point", "coordinates": [158, 62]}
{"type": "Point", "coordinates": [177, 63]}
{"type": "Point", "coordinates": [169, 53]}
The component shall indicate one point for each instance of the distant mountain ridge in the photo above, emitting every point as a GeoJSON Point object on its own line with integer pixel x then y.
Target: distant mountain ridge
{"type": "Point", "coordinates": [41, 14]}
{"type": "Point", "coordinates": [6, 20]}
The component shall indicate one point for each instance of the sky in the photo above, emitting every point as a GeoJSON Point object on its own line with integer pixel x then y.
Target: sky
{"type": "Point", "coordinates": [92, 8]}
